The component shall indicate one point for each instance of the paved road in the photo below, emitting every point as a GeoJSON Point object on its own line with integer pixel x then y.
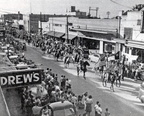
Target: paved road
{"type": "Point", "coordinates": [117, 105]}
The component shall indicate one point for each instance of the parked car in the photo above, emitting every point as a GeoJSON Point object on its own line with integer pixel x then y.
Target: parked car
{"type": "Point", "coordinates": [61, 108]}
{"type": "Point", "coordinates": [94, 57]}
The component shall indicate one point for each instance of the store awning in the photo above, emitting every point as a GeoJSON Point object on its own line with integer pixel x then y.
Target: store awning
{"type": "Point", "coordinates": [140, 37]}
{"type": "Point", "coordinates": [99, 39]}
{"type": "Point", "coordinates": [135, 44]}
{"type": "Point", "coordinates": [70, 37]}
{"type": "Point", "coordinates": [55, 34]}
{"type": "Point", "coordinates": [119, 40]}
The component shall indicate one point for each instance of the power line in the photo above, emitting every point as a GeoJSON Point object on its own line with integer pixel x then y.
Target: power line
{"type": "Point", "coordinates": [120, 4]}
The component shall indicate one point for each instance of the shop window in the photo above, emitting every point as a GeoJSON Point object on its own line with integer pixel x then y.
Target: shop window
{"type": "Point", "coordinates": [70, 24]}
{"type": "Point", "coordinates": [135, 51]}
{"type": "Point", "coordinates": [59, 25]}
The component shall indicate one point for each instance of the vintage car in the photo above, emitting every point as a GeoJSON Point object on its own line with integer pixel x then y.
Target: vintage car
{"type": "Point", "coordinates": [61, 108]}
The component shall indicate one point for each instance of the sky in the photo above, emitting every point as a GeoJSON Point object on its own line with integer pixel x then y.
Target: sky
{"type": "Point", "coordinates": [61, 6]}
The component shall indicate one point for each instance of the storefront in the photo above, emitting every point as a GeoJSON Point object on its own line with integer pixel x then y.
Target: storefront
{"type": "Point", "coordinates": [140, 53]}
{"type": "Point", "coordinates": [101, 45]}
{"type": "Point", "coordinates": [98, 40]}
{"type": "Point", "coordinates": [135, 48]}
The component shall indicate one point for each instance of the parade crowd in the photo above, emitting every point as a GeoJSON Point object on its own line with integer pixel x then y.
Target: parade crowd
{"type": "Point", "coordinates": [58, 88]}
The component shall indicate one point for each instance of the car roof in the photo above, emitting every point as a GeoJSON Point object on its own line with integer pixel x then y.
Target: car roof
{"type": "Point", "coordinates": [61, 105]}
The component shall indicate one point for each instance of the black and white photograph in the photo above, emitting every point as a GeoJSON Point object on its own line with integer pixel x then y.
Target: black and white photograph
{"type": "Point", "coordinates": [71, 57]}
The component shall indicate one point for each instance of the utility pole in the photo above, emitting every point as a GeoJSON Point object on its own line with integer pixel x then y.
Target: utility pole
{"type": "Point", "coordinates": [97, 8]}
{"type": "Point", "coordinates": [119, 26]}
{"type": "Point", "coordinates": [40, 23]}
{"type": "Point", "coordinates": [18, 15]}
{"type": "Point", "coordinates": [29, 22]}
{"type": "Point", "coordinates": [67, 30]}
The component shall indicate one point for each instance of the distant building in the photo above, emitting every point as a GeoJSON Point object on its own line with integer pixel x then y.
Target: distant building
{"type": "Point", "coordinates": [32, 21]}
{"type": "Point", "coordinates": [76, 13]}
{"type": "Point", "coordinates": [132, 30]}
{"type": "Point", "coordinates": [10, 17]}
{"type": "Point", "coordinates": [73, 9]}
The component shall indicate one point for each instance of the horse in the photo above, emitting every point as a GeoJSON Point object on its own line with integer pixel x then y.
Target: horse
{"type": "Point", "coordinates": [77, 58]}
{"type": "Point", "coordinates": [118, 78]}
{"type": "Point", "coordinates": [67, 60]}
{"type": "Point", "coordinates": [57, 54]}
{"type": "Point", "coordinates": [83, 66]}
{"type": "Point", "coordinates": [112, 80]}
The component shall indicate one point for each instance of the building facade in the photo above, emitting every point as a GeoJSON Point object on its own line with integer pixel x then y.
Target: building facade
{"type": "Point", "coordinates": [132, 26]}
{"type": "Point", "coordinates": [95, 34]}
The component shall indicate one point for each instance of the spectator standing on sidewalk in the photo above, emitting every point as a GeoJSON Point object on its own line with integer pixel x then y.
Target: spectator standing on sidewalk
{"type": "Point", "coordinates": [63, 82]}
{"type": "Point", "coordinates": [99, 110]}
{"type": "Point", "coordinates": [107, 113]}
{"type": "Point", "coordinates": [36, 109]}
{"type": "Point", "coordinates": [89, 103]}
{"type": "Point", "coordinates": [95, 108]}
{"type": "Point", "coordinates": [85, 97]}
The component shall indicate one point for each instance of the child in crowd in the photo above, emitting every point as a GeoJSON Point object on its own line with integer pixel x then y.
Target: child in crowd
{"type": "Point", "coordinates": [107, 113]}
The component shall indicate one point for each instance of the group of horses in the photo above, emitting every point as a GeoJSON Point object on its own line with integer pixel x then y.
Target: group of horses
{"type": "Point", "coordinates": [113, 74]}
{"type": "Point", "coordinates": [109, 74]}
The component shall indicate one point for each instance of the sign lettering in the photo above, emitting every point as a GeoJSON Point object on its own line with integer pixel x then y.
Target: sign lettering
{"type": "Point", "coordinates": [20, 77]}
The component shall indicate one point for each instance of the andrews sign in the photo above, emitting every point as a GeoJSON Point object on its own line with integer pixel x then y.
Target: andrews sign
{"type": "Point", "coordinates": [21, 78]}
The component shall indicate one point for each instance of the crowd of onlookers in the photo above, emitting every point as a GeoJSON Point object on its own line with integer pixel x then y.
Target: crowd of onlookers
{"type": "Point", "coordinates": [57, 91]}
{"type": "Point", "coordinates": [58, 88]}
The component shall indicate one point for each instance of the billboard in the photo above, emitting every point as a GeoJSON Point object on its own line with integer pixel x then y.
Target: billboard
{"type": "Point", "coordinates": [20, 78]}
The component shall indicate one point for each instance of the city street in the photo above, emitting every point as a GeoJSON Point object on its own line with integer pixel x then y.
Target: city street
{"type": "Point", "coordinates": [72, 58]}
{"type": "Point", "coordinates": [122, 102]}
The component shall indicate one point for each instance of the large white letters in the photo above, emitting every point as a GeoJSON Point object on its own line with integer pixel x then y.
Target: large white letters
{"type": "Point", "coordinates": [11, 80]}
{"type": "Point", "coordinates": [36, 77]}
{"type": "Point", "coordinates": [3, 81]}
{"type": "Point", "coordinates": [19, 79]}
{"type": "Point", "coordinates": [27, 78]}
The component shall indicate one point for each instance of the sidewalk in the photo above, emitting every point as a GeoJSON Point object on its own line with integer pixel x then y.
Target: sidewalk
{"type": "Point", "coordinates": [4, 110]}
